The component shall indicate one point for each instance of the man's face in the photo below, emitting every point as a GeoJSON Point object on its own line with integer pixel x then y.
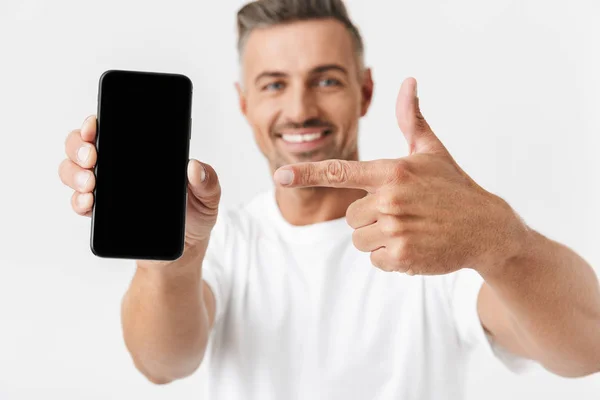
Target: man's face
{"type": "Point", "coordinates": [303, 92]}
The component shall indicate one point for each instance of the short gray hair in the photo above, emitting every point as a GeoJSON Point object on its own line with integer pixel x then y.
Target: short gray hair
{"type": "Point", "coordinates": [265, 13]}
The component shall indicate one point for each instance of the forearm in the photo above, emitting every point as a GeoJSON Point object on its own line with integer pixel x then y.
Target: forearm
{"type": "Point", "coordinates": [164, 318]}
{"type": "Point", "coordinates": [553, 301]}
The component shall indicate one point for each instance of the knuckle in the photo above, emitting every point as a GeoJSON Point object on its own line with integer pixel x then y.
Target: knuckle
{"type": "Point", "coordinates": [400, 252]}
{"type": "Point", "coordinates": [391, 226]}
{"type": "Point", "coordinates": [389, 203]}
{"type": "Point", "coordinates": [336, 171]}
{"type": "Point", "coordinates": [400, 170]}
{"type": "Point", "coordinates": [307, 175]}
{"type": "Point", "coordinates": [396, 252]}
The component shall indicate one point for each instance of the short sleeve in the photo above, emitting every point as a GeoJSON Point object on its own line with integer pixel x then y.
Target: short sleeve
{"type": "Point", "coordinates": [464, 287]}
{"type": "Point", "coordinates": [215, 271]}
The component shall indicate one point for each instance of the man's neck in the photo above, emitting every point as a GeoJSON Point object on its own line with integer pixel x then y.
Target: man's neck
{"type": "Point", "coordinates": [316, 204]}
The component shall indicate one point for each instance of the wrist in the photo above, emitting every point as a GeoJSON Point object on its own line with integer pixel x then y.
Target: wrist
{"type": "Point", "coordinates": [534, 252]}
{"type": "Point", "coordinates": [514, 242]}
{"type": "Point", "coordinates": [189, 262]}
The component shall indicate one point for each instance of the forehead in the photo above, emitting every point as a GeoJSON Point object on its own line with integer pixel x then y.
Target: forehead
{"type": "Point", "coordinates": [297, 47]}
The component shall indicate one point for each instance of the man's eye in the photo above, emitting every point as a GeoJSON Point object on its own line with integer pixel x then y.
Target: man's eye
{"type": "Point", "coordinates": [273, 86]}
{"type": "Point", "coordinates": [329, 82]}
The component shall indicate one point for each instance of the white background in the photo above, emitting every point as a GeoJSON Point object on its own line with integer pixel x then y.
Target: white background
{"type": "Point", "coordinates": [511, 87]}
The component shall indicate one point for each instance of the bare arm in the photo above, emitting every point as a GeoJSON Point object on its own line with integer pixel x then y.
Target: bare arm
{"type": "Point", "coordinates": [167, 314]}
{"type": "Point", "coordinates": [168, 310]}
{"type": "Point", "coordinates": [544, 304]}
{"type": "Point", "coordinates": [424, 215]}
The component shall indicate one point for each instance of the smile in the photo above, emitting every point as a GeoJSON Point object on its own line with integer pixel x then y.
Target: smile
{"type": "Point", "coordinates": [304, 140]}
{"type": "Point", "coordinates": [303, 137]}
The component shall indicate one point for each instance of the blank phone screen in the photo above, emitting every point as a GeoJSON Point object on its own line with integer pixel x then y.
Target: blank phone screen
{"type": "Point", "coordinates": [144, 122]}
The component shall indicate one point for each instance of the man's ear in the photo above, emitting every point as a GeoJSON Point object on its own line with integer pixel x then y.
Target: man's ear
{"type": "Point", "coordinates": [366, 91]}
{"type": "Point", "coordinates": [241, 98]}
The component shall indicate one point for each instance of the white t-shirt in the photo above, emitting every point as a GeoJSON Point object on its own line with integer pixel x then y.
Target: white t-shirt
{"type": "Point", "coordinates": [302, 314]}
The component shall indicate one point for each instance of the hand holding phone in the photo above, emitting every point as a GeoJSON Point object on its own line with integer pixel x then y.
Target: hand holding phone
{"type": "Point", "coordinates": [129, 221]}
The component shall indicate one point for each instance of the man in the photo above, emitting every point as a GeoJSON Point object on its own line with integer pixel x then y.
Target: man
{"type": "Point", "coordinates": [350, 280]}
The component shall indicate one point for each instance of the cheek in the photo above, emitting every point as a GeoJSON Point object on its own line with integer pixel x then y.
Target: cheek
{"type": "Point", "coordinates": [260, 118]}
{"type": "Point", "coordinates": [344, 111]}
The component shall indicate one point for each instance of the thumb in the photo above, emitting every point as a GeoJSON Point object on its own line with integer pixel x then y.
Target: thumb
{"type": "Point", "coordinates": [416, 130]}
{"type": "Point", "coordinates": [204, 183]}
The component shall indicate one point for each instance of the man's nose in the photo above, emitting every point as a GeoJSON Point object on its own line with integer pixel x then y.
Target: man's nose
{"type": "Point", "coordinates": [302, 105]}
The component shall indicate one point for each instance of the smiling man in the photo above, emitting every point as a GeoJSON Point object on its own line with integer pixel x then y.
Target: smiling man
{"type": "Point", "coordinates": [350, 279]}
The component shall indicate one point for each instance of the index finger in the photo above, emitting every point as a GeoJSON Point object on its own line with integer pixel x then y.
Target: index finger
{"type": "Point", "coordinates": [367, 175]}
{"type": "Point", "coordinates": [88, 129]}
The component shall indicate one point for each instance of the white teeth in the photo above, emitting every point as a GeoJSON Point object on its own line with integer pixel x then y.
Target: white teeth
{"type": "Point", "coordinates": [308, 137]}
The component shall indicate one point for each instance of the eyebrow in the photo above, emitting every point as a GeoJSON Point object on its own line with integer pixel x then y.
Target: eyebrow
{"type": "Point", "coordinates": [270, 74]}
{"type": "Point", "coordinates": [329, 67]}
{"type": "Point", "coordinates": [317, 70]}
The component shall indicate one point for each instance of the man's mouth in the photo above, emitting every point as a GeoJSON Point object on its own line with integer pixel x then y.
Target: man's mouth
{"type": "Point", "coordinates": [303, 140]}
{"type": "Point", "coordinates": [303, 136]}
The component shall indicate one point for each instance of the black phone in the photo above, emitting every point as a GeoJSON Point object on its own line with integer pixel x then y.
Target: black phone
{"type": "Point", "coordinates": [142, 139]}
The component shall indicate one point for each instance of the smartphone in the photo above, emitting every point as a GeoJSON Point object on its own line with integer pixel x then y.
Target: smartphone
{"type": "Point", "coordinates": [142, 139]}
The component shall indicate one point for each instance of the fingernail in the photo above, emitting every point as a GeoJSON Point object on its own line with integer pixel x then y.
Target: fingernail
{"type": "Point", "coordinates": [82, 178]}
{"type": "Point", "coordinates": [202, 173]}
{"type": "Point", "coordinates": [415, 90]}
{"type": "Point", "coordinates": [83, 153]}
{"type": "Point", "coordinates": [85, 120]}
{"type": "Point", "coordinates": [284, 176]}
